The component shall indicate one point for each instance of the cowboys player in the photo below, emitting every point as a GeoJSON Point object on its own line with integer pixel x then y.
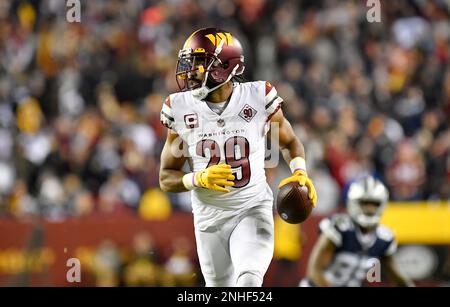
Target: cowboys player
{"type": "Point", "coordinates": [224, 124]}
{"type": "Point", "coordinates": [348, 243]}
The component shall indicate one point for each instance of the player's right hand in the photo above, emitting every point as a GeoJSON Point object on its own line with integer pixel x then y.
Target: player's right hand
{"type": "Point", "coordinates": [216, 177]}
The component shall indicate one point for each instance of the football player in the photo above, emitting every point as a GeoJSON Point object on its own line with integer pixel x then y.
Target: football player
{"type": "Point", "coordinates": [224, 124]}
{"type": "Point", "coordinates": [350, 245]}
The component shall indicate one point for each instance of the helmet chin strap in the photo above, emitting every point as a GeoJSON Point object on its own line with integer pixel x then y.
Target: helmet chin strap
{"type": "Point", "coordinates": [202, 92]}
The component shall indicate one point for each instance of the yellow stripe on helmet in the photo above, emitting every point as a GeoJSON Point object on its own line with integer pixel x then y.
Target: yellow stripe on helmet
{"type": "Point", "coordinates": [186, 44]}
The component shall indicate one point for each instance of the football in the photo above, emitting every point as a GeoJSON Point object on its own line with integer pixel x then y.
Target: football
{"type": "Point", "coordinates": [293, 203]}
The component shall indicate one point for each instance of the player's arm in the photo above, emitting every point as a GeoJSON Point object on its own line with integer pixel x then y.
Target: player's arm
{"type": "Point", "coordinates": [400, 280]}
{"type": "Point", "coordinates": [294, 154]}
{"type": "Point", "coordinates": [320, 258]}
{"type": "Point", "coordinates": [170, 174]}
{"type": "Point", "coordinates": [173, 179]}
{"type": "Point", "coordinates": [290, 145]}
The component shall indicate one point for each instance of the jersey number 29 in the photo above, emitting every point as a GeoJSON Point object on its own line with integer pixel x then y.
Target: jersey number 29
{"type": "Point", "coordinates": [237, 151]}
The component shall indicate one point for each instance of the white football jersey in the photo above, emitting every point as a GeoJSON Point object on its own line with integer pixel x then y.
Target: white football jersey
{"type": "Point", "coordinates": [235, 137]}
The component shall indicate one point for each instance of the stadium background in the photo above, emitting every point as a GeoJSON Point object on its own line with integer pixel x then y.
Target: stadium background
{"type": "Point", "coordinates": [80, 136]}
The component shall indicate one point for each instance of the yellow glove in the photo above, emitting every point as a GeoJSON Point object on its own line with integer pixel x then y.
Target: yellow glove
{"type": "Point", "coordinates": [302, 178]}
{"type": "Point", "coordinates": [215, 177]}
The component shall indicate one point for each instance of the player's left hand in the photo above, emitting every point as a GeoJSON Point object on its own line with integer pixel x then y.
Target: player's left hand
{"type": "Point", "coordinates": [301, 177]}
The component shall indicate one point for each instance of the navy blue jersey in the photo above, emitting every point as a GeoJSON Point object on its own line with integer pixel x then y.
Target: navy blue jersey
{"type": "Point", "coordinates": [356, 253]}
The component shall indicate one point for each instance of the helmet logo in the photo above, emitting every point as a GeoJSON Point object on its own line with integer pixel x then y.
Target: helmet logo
{"type": "Point", "coordinates": [221, 36]}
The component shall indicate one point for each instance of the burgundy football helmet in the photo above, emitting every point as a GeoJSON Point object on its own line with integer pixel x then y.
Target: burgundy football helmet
{"type": "Point", "coordinates": [211, 51]}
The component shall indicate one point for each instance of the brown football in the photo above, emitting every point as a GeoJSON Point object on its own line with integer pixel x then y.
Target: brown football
{"type": "Point", "coordinates": [293, 203]}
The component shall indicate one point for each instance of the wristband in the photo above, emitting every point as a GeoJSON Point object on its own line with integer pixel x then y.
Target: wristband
{"type": "Point", "coordinates": [297, 164]}
{"type": "Point", "coordinates": [189, 181]}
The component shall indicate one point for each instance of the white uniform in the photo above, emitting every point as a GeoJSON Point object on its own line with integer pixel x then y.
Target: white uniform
{"type": "Point", "coordinates": [235, 137]}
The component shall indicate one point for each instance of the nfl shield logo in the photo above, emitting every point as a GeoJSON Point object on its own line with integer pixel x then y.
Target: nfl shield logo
{"type": "Point", "coordinates": [247, 113]}
{"type": "Point", "coordinates": [191, 121]}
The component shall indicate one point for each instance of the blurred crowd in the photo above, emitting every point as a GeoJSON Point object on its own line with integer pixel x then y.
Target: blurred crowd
{"type": "Point", "coordinates": [142, 265]}
{"type": "Point", "coordinates": [79, 102]}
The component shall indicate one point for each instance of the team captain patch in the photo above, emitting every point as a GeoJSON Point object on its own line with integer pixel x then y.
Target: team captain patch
{"type": "Point", "coordinates": [191, 121]}
{"type": "Point", "coordinates": [247, 113]}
